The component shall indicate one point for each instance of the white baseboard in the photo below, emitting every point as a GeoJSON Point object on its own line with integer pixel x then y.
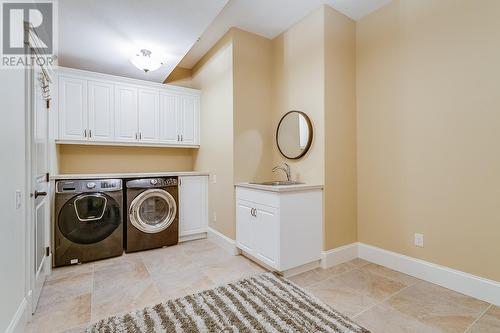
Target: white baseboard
{"type": "Point", "coordinates": [465, 283]}
{"type": "Point", "coordinates": [339, 255]}
{"type": "Point", "coordinates": [301, 269]}
{"type": "Point", "coordinates": [223, 241]}
{"type": "Point", "coordinates": [188, 238]}
{"type": "Point", "coordinates": [18, 322]}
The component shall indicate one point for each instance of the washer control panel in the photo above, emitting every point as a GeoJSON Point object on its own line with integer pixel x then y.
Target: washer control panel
{"type": "Point", "coordinates": [83, 186]}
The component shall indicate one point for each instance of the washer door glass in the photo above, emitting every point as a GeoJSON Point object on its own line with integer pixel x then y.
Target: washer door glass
{"type": "Point", "coordinates": [153, 211]}
{"type": "Point", "coordinates": [89, 218]}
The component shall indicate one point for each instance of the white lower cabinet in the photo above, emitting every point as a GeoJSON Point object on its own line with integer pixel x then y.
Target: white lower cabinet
{"type": "Point", "coordinates": [282, 230]}
{"type": "Point", "coordinates": [193, 205]}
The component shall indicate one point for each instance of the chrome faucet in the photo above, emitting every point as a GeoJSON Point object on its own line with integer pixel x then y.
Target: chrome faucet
{"type": "Point", "coordinates": [286, 169]}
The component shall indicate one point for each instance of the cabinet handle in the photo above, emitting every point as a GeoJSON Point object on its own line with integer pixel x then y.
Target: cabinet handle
{"type": "Point", "coordinates": [255, 212]}
{"type": "Point", "coordinates": [85, 133]}
{"type": "Point", "coordinates": [178, 138]}
{"type": "Point", "coordinates": [90, 133]}
{"type": "Point", "coordinates": [182, 137]}
{"type": "Point", "coordinates": [140, 135]}
{"type": "Point", "coordinates": [251, 211]}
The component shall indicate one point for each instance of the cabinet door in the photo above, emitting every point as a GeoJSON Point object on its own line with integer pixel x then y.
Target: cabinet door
{"type": "Point", "coordinates": [245, 226]}
{"type": "Point", "coordinates": [101, 111]}
{"type": "Point", "coordinates": [73, 113]}
{"type": "Point", "coordinates": [149, 121]}
{"type": "Point", "coordinates": [193, 212]}
{"type": "Point", "coordinates": [126, 114]}
{"type": "Point", "coordinates": [188, 119]}
{"type": "Point", "coordinates": [267, 234]}
{"type": "Point", "coordinates": [169, 130]}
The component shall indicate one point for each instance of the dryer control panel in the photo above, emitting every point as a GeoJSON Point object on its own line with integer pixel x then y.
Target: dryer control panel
{"type": "Point", "coordinates": [152, 182]}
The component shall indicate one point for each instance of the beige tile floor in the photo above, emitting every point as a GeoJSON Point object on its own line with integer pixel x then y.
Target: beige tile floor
{"type": "Point", "coordinates": [378, 298]}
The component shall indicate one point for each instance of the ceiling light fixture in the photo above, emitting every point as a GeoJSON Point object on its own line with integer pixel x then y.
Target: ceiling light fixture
{"type": "Point", "coordinates": [145, 62]}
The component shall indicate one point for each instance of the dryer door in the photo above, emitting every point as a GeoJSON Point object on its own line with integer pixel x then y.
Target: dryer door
{"type": "Point", "coordinates": [89, 218]}
{"type": "Point", "coordinates": [153, 211]}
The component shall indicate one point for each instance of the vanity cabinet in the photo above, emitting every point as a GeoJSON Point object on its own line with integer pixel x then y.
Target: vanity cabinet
{"type": "Point", "coordinates": [193, 206]}
{"type": "Point", "coordinates": [281, 228]}
{"type": "Point", "coordinates": [103, 109]}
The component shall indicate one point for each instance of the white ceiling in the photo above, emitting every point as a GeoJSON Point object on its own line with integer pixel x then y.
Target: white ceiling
{"type": "Point", "coordinates": [269, 18]}
{"type": "Point", "coordinates": [102, 35]}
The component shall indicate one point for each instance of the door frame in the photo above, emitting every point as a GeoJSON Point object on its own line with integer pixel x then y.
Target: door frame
{"type": "Point", "coordinates": [30, 187]}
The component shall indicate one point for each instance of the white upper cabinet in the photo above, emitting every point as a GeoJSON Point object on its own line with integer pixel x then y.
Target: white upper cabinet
{"type": "Point", "coordinates": [126, 114]}
{"type": "Point", "coordinates": [102, 109]}
{"type": "Point", "coordinates": [149, 120]}
{"type": "Point", "coordinates": [101, 112]}
{"type": "Point", "coordinates": [169, 132]}
{"type": "Point", "coordinates": [73, 119]}
{"type": "Point", "coordinates": [188, 116]}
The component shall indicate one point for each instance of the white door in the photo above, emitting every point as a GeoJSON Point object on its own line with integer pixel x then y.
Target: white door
{"type": "Point", "coordinates": [149, 121]}
{"type": "Point", "coordinates": [193, 212]}
{"type": "Point", "coordinates": [101, 107]}
{"type": "Point", "coordinates": [169, 129]}
{"type": "Point", "coordinates": [266, 226]}
{"type": "Point", "coordinates": [245, 226]}
{"type": "Point", "coordinates": [188, 118]}
{"type": "Point", "coordinates": [40, 207]}
{"type": "Point", "coordinates": [73, 120]}
{"type": "Point", "coordinates": [126, 129]}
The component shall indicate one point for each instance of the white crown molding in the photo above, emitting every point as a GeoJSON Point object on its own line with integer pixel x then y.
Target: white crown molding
{"type": "Point", "coordinates": [59, 70]}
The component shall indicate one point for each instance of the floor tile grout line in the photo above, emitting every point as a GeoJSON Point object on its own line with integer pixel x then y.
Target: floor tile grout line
{"type": "Point", "coordinates": [382, 301]}
{"type": "Point", "coordinates": [478, 318]}
{"type": "Point", "coordinates": [339, 274]}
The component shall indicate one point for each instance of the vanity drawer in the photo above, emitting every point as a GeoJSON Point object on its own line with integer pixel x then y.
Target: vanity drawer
{"type": "Point", "coordinates": [265, 198]}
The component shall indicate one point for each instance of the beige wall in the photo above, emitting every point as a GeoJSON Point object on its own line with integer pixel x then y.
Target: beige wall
{"type": "Point", "coordinates": [108, 159]}
{"type": "Point", "coordinates": [340, 130]}
{"type": "Point", "coordinates": [314, 71]}
{"type": "Point", "coordinates": [298, 84]}
{"type": "Point", "coordinates": [253, 140]}
{"type": "Point", "coordinates": [428, 99]}
{"type": "Point", "coordinates": [214, 76]}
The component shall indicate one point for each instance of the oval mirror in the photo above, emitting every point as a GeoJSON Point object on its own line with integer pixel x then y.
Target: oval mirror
{"type": "Point", "coordinates": [294, 134]}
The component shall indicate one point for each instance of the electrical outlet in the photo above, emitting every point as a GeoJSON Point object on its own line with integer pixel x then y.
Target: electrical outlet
{"type": "Point", "coordinates": [214, 179]}
{"type": "Point", "coordinates": [419, 240]}
{"type": "Point", "coordinates": [19, 199]}
{"type": "Point", "coordinates": [215, 216]}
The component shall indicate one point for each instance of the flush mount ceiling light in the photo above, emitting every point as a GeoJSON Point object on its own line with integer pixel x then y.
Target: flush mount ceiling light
{"type": "Point", "coordinates": [145, 62]}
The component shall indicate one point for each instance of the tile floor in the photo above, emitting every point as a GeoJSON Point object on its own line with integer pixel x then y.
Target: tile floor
{"type": "Point", "coordinates": [382, 300]}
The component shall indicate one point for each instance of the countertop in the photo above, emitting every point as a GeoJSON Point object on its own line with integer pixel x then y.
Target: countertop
{"type": "Point", "coordinates": [127, 175]}
{"type": "Point", "coordinates": [281, 188]}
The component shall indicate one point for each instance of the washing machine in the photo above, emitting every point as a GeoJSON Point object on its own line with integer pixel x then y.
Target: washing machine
{"type": "Point", "coordinates": [152, 213]}
{"type": "Point", "coordinates": [88, 220]}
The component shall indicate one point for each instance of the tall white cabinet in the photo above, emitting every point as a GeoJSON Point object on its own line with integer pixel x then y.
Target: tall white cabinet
{"type": "Point", "coordinates": [193, 206]}
{"type": "Point", "coordinates": [96, 108]}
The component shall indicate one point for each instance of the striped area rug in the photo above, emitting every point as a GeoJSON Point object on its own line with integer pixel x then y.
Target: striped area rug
{"type": "Point", "coordinates": [263, 303]}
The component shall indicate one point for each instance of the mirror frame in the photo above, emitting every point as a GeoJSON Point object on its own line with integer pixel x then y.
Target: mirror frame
{"type": "Point", "coordinates": [309, 140]}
